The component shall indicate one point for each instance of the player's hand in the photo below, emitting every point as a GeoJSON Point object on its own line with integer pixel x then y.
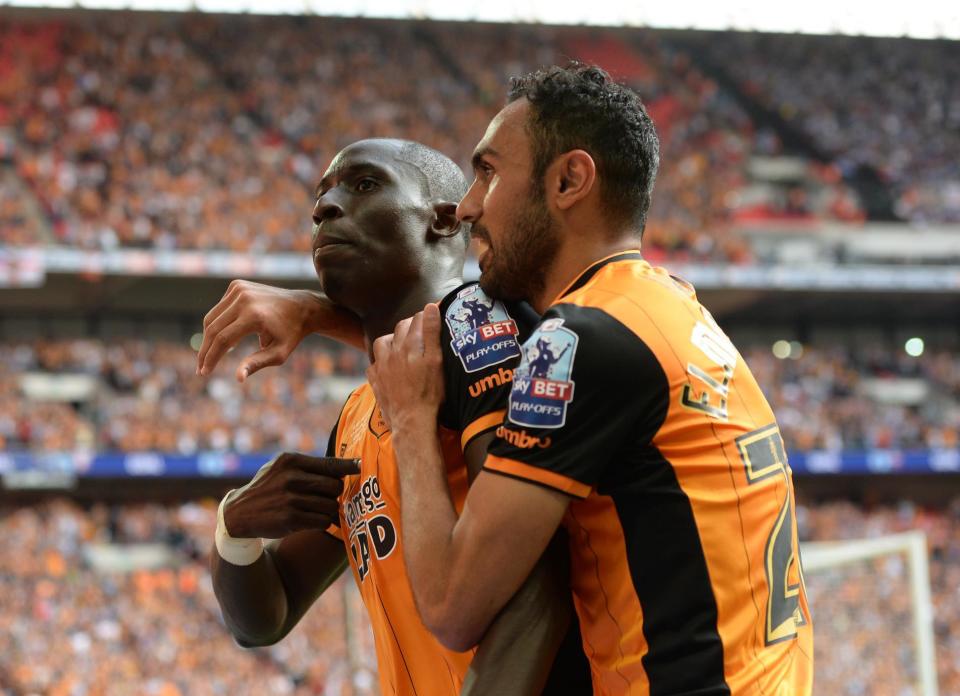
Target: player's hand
{"type": "Point", "coordinates": [406, 374]}
{"type": "Point", "coordinates": [292, 492]}
{"type": "Point", "coordinates": [281, 319]}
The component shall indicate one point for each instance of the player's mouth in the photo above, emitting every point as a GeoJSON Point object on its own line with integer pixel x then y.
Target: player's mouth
{"type": "Point", "coordinates": [482, 246]}
{"type": "Point", "coordinates": [328, 244]}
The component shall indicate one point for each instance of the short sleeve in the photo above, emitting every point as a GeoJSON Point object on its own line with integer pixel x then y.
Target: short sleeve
{"type": "Point", "coordinates": [334, 529]}
{"type": "Point", "coordinates": [480, 339]}
{"type": "Point", "coordinates": [587, 389]}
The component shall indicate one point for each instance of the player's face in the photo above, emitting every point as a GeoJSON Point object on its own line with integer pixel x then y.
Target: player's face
{"type": "Point", "coordinates": [516, 235]}
{"type": "Point", "coordinates": [369, 226]}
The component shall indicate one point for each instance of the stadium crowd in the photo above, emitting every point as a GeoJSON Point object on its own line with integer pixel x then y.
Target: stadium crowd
{"type": "Point", "coordinates": [146, 396]}
{"type": "Point", "coordinates": [210, 132]}
{"type": "Point", "coordinates": [72, 626]}
{"type": "Point", "coordinates": [862, 612]}
{"type": "Point", "coordinates": [843, 399]}
{"type": "Point", "coordinates": [75, 626]}
{"type": "Point", "coordinates": [889, 104]}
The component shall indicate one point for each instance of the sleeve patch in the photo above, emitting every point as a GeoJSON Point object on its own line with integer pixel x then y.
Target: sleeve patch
{"type": "Point", "coordinates": [483, 333]}
{"type": "Point", "coordinates": [542, 382]}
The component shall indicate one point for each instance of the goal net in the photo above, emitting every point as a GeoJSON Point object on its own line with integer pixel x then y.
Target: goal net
{"type": "Point", "coordinates": [872, 616]}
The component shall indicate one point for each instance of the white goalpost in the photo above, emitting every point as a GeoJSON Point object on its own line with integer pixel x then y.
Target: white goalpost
{"type": "Point", "coordinates": [872, 615]}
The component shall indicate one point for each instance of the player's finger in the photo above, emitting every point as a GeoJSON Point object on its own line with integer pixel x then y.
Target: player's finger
{"type": "Point", "coordinates": [431, 331]}
{"type": "Point", "coordinates": [324, 504]}
{"type": "Point", "coordinates": [319, 485]}
{"type": "Point", "coordinates": [207, 333]}
{"type": "Point", "coordinates": [228, 297]}
{"type": "Point", "coordinates": [270, 357]}
{"type": "Point", "coordinates": [328, 466]}
{"type": "Point", "coordinates": [382, 347]}
{"type": "Point", "coordinates": [226, 302]}
{"type": "Point", "coordinates": [400, 332]}
{"type": "Point", "coordinates": [308, 519]}
{"type": "Point", "coordinates": [226, 318]}
{"type": "Point", "coordinates": [414, 339]}
{"type": "Point", "coordinates": [220, 343]}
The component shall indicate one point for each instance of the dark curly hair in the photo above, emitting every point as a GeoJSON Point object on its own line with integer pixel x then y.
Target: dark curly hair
{"type": "Point", "coordinates": [580, 107]}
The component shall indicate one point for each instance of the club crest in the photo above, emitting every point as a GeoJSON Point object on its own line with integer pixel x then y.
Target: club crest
{"type": "Point", "coordinates": [483, 334]}
{"type": "Point", "coordinates": [542, 383]}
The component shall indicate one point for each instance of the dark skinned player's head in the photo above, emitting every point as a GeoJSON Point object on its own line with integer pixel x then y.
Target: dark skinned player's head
{"type": "Point", "coordinates": [385, 220]}
{"type": "Point", "coordinates": [553, 117]}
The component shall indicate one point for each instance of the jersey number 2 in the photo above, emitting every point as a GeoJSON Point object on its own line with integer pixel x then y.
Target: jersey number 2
{"type": "Point", "coordinates": [764, 457]}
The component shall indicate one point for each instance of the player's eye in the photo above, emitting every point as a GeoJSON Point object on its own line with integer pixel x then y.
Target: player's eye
{"type": "Point", "coordinates": [366, 184]}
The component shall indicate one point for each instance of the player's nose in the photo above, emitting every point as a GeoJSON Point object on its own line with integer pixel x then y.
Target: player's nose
{"type": "Point", "coordinates": [469, 209]}
{"type": "Point", "coordinates": [326, 208]}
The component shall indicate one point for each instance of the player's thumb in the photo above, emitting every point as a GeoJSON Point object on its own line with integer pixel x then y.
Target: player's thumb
{"type": "Point", "coordinates": [268, 357]}
{"type": "Point", "coordinates": [340, 467]}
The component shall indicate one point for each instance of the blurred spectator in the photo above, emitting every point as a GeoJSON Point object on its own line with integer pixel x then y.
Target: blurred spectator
{"type": "Point", "coordinates": [148, 397]}
{"type": "Point", "coordinates": [889, 104]}
{"type": "Point", "coordinates": [210, 132]}
{"type": "Point", "coordinates": [71, 627]}
{"type": "Point", "coordinates": [862, 613]}
{"type": "Point", "coordinates": [827, 399]}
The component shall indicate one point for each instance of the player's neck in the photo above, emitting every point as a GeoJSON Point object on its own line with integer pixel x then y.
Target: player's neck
{"type": "Point", "coordinates": [381, 320]}
{"type": "Point", "coordinates": [576, 255]}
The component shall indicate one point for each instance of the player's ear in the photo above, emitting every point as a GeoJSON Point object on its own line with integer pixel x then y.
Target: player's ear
{"type": "Point", "coordinates": [570, 178]}
{"type": "Point", "coordinates": [445, 222]}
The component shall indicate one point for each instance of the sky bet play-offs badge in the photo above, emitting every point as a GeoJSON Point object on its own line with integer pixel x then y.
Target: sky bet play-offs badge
{"type": "Point", "coordinates": [542, 386]}
{"type": "Point", "coordinates": [483, 333]}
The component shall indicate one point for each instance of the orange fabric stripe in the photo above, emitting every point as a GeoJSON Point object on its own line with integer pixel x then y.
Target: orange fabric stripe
{"type": "Point", "coordinates": [478, 426]}
{"type": "Point", "coordinates": [592, 264]}
{"type": "Point", "coordinates": [611, 619]}
{"type": "Point", "coordinates": [734, 517]}
{"type": "Point", "coordinates": [550, 479]}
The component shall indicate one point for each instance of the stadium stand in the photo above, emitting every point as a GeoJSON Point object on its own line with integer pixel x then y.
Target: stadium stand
{"type": "Point", "coordinates": [145, 396]}
{"type": "Point", "coordinates": [73, 627]}
{"type": "Point", "coordinates": [885, 105]}
{"type": "Point", "coordinates": [124, 128]}
{"type": "Point", "coordinates": [78, 624]}
{"type": "Point", "coordinates": [797, 182]}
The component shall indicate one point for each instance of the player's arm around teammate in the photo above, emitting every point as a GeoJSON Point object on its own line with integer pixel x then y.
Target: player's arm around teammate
{"type": "Point", "coordinates": [516, 653]}
{"type": "Point", "coordinates": [540, 612]}
{"type": "Point", "coordinates": [264, 589]}
{"type": "Point", "coordinates": [280, 317]}
{"type": "Point", "coordinates": [406, 378]}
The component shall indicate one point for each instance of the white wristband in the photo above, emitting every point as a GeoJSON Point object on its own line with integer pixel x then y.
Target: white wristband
{"type": "Point", "coordinates": [239, 552]}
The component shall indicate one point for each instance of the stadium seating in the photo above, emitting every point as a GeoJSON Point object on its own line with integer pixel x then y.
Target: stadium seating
{"type": "Point", "coordinates": [145, 396]}
{"type": "Point", "coordinates": [887, 104]}
{"type": "Point", "coordinates": [812, 164]}
{"type": "Point", "coordinates": [201, 134]}
{"type": "Point", "coordinates": [70, 627]}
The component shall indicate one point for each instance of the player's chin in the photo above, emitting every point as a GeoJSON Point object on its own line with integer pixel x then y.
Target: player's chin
{"type": "Point", "coordinates": [336, 284]}
{"type": "Point", "coordinates": [495, 285]}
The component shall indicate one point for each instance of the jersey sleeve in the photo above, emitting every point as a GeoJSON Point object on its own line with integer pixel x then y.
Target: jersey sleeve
{"type": "Point", "coordinates": [334, 528]}
{"type": "Point", "coordinates": [586, 390]}
{"type": "Point", "coordinates": [480, 339]}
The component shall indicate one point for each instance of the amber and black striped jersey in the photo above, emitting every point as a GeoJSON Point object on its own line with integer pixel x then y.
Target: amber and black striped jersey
{"type": "Point", "coordinates": [481, 341]}
{"type": "Point", "coordinates": [686, 572]}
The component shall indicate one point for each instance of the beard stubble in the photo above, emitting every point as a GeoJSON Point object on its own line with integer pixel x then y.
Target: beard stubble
{"type": "Point", "coordinates": [518, 267]}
